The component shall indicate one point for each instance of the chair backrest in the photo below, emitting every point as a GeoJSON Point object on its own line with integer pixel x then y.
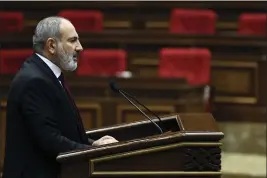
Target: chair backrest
{"type": "Point", "coordinates": [192, 21]}
{"type": "Point", "coordinates": [12, 59]}
{"type": "Point", "coordinates": [193, 64]}
{"type": "Point", "coordinates": [101, 62]}
{"type": "Point", "coordinates": [11, 21]}
{"type": "Point", "coordinates": [84, 20]}
{"type": "Point", "coordinates": [252, 24]}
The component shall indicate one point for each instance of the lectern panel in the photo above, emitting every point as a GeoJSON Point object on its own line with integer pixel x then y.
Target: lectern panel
{"type": "Point", "coordinates": [185, 158]}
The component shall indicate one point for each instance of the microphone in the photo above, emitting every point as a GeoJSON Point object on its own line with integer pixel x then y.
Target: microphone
{"type": "Point", "coordinates": [116, 89]}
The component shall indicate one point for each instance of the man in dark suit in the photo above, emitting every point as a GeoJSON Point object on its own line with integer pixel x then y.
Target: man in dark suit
{"type": "Point", "coordinates": [42, 119]}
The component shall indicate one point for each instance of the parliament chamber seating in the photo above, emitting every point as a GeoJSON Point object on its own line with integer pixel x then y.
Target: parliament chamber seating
{"type": "Point", "coordinates": [141, 30]}
{"type": "Point", "coordinates": [101, 62]}
{"type": "Point", "coordinates": [252, 24]}
{"type": "Point", "coordinates": [190, 63]}
{"type": "Point", "coordinates": [224, 49]}
{"type": "Point", "coordinates": [11, 21]}
{"type": "Point", "coordinates": [84, 20]}
{"type": "Point", "coordinates": [12, 59]}
{"type": "Point", "coordinates": [192, 21]}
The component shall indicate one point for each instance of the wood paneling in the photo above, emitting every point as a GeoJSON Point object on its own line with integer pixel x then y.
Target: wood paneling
{"type": "Point", "coordinates": [137, 14]}
{"type": "Point", "coordinates": [236, 78]}
{"type": "Point", "coordinates": [225, 81]}
{"type": "Point", "coordinates": [2, 133]}
{"type": "Point", "coordinates": [127, 113]}
{"type": "Point", "coordinates": [107, 24]}
{"type": "Point", "coordinates": [164, 25]}
{"type": "Point", "coordinates": [144, 37]}
{"type": "Point", "coordinates": [91, 114]}
{"type": "Point", "coordinates": [232, 79]}
{"type": "Point", "coordinates": [239, 82]}
{"type": "Point", "coordinates": [248, 5]}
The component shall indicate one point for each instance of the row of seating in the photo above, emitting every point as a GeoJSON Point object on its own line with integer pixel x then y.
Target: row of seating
{"type": "Point", "coordinates": [190, 63]}
{"type": "Point", "coordinates": [183, 21]}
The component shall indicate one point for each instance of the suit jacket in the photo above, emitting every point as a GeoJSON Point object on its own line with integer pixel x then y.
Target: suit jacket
{"type": "Point", "coordinates": [41, 122]}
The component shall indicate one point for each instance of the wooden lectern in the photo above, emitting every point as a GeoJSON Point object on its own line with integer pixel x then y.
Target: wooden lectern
{"type": "Point", "coordinates": [190, 148]}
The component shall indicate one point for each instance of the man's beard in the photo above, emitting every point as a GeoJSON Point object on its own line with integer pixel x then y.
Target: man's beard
{"type": "Point", "coordinates": [66, 61]}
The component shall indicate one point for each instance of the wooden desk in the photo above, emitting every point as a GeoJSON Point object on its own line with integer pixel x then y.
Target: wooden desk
{"type": "Point", "coordinates": [128, 38]}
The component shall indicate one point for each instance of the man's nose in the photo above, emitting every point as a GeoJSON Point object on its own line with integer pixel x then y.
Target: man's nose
{"type": "Point", "coordinates": [79, 47]}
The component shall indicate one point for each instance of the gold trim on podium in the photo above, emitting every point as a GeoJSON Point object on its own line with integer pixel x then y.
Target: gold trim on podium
{"type": "Point", "coordinates": [136, 173]}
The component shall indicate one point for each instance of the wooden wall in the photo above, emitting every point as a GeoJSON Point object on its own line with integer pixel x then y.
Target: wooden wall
{"type": "Point", "coordinates": [239, 63]}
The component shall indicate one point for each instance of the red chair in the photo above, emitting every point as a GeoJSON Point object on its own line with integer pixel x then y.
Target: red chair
{"type": "Point", "coordinates": [193, 64]}
{"type": "Point", "coordinates": [192, 21]}
{"type": "Point", "coordinates": [84, 20]}
{"type": "Point", "coordinates": [101, 62]}
{"type": "Point", "coordinates": [11, 21]}
{"type": "Point", "coordinates": [252, 24]}
{"type": "Point", "coordinates": [12, 59]}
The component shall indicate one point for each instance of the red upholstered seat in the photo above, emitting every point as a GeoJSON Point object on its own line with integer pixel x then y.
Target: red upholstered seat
{"type": "Point", "coordinates": [101, 62]}
{"type": "Point", "coordinates": [84, 20]}
{"type": "Point", "coordinates": [12, 59]}
{"type": "Point", "coordinates": [11, 21]}
{"type": "Point", "coordinates": [193, 64]}
{"type": "Point", "coordinates": [252, 24]}
{"type": "Point", "coordinates": [192, 21]}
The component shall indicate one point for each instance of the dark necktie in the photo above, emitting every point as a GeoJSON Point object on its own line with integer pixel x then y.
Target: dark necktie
{"type": "Point", "coordinates": [67, 90]}
{"type": "Point", "coordinates": [66, 87]}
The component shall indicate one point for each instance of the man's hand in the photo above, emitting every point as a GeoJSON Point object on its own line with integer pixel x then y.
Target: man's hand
{"type": "Point", "coordinates": [104, 140]}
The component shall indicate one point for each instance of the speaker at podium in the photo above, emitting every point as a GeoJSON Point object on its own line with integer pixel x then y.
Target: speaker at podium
{"type": "Point", "coordinates": [189, 147]}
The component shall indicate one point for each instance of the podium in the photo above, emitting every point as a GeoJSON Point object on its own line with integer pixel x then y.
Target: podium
{"type": "Point", "coordinates": [189, 147]}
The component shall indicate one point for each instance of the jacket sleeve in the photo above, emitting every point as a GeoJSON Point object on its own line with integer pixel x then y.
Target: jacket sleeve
{"type": "Point", "coordinates": [41, 122]}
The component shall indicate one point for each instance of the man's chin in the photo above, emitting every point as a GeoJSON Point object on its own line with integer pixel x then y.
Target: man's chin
{"type": "Point", "coordinates": [70, 68]}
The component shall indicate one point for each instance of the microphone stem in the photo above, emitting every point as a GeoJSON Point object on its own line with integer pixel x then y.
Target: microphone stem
{"type": "Point", "coordinates": [141, 111]}
{"type": "Point", "coordinates": [132, 97]}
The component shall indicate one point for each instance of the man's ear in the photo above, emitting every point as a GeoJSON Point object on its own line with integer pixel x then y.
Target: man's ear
{"type": "Point", "coordinates": [51, 45]}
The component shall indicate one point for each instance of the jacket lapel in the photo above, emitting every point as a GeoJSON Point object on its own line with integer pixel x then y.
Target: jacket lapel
{"type": "Point", "coordinates": [42, 65]}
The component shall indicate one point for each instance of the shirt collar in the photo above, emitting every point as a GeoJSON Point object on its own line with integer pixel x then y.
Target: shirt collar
{"type": "Point", "coordinates": [55, 69]}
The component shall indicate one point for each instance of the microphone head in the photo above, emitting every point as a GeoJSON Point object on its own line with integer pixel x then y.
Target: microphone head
{"type": "Point", "coordinates": [114, 86]}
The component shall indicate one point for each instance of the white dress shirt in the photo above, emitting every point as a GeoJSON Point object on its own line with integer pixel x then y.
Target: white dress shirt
{"type": "Point", "coordinates": [55, 69]}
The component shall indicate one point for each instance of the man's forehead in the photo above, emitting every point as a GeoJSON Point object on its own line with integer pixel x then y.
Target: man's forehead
{"type": "Point", "coordinates": [68, 30]}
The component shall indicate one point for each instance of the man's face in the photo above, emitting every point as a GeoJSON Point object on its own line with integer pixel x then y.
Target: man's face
{"type": "Point", "coordinates": [68, 47]}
